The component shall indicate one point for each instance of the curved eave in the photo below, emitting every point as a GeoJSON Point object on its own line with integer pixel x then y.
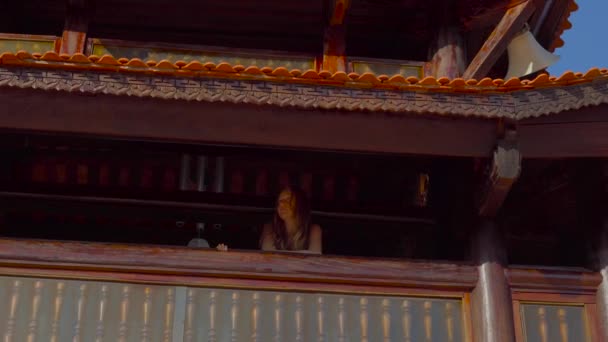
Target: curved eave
{"type": "Point", "coordinates": [564, 24]}
{"type": "Point", "coordinates": [487, 98]}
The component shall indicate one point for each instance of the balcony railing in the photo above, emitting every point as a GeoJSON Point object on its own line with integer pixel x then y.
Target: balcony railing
{"type": "Point", "coordinates": [109, 292]}
{"type": "Point", "coordinates": [118, 311]}
{"type": "Point", "coordinates": [104, 292]}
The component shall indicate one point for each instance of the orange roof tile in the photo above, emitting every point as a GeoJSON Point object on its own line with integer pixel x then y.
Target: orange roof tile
{"type": "Point", "coordinates": [224, 70]}
{"type": "Point", "coordinates": [487, 98]}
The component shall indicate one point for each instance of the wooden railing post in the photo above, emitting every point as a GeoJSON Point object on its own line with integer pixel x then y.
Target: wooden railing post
{"type": "Point", "coordinates": [492, 309]}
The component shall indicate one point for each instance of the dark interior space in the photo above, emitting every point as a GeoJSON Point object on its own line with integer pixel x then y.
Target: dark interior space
{"type": "Point", "coordinates": [89, 189]}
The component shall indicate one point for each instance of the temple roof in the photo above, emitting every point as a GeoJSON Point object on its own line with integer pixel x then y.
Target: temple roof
{"type": "Point", "coordinates": [108, 63]}
{"type": "Point", "coordinates": [208, 82]}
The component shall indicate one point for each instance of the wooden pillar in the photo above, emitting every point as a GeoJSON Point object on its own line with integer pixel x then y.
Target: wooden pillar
{"type": "Point", "coordinates": [73, 39]}
{"type": "Point", "coordinates": [334, 46]}
{"type": "Point", "coordinates": [334, 55]}
{"type": "Point", "coordinates": [602, 293]}
{"type": "Point", "coordinates": [447, 55]}
{"type": "Point", "coordinates": [491, 299]}
{"type": "Point", "coordinates": [492, 309]}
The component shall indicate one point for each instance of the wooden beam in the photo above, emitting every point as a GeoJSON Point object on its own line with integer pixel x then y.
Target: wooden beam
{"type": "Point", "coordinates": [575, 281]}
{"type": "Point", "coordinates": [186, 206]}
{"type": "Point", "coordinates": [571, 134]}
{"type": "Point", "coordinates": [73, 39]}
{"type": "Point", "coordinates": [510, 24]}
{"type": "Point", "coordinates": [218, 123]}
{"type": "Point", "coordinates": [492, 310]}
{"type": "Point", "coordinates": [503, 171]}
{"type": "Point", "coordinates": [334, 45]}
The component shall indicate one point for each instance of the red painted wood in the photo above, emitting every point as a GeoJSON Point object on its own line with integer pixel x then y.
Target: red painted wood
{"type": "Point", "coordinates": [261, 183]}
{"type": "Point", "coordinates": [579, 133]}
{"type": "Point", "coordinates": [491, 300]}
{"type": "Point", "coordinates": [228, 282]}
{"type": "Point", "coordinates": [548, 279]}
{"type": "Point", "coordinates": [179, 261]}
{"type": "Point", "coordinates": [245, 124]}
{"type": "Point", "coordinates": [334, 39]}
{"type": "Point", "coordinates": [510, 24]}
{"type": "Point", "coordinates": [73, 39]}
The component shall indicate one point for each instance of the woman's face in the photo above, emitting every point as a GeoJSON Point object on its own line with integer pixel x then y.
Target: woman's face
{"type": "Point", "coordinates": [286, 205]}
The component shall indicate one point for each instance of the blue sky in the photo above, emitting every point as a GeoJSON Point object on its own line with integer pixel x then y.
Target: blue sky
{"type": "Point", "coordinates": [586, 43]}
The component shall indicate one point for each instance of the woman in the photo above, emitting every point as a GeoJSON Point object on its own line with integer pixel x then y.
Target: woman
{"type": "Point", "coordinates": [291, 228]}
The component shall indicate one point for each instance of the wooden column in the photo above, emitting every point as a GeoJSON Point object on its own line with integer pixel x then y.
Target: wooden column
{"type": "Point", "coordinates": [602, 294]}
{"type": "Point", "coordinates": [447, 55]}
{"type": "Point", "coordinates": [334, 47]}
{"type": "Point", "coordinates": [73, 39]}
{"type": "Point", "coordinates": [491, 298]}
{"type": "Point", "coordinates": [492, 309]}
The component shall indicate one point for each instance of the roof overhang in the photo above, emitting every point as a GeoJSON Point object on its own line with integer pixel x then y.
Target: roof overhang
{"type": "Point", "coordinates": [361, 113]}
{"type": "Point", "coordinates": [513, 100]}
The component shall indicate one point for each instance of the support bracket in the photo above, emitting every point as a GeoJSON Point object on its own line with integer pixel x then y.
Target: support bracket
{"type": "Point", "coordinates": [502, 173]}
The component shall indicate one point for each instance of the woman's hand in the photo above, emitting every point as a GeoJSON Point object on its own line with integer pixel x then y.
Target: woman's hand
{"type": "Point", "coordinates": [221, 247]}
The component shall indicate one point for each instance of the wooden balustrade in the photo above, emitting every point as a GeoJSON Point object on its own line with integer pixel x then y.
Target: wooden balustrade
{"type": "Point", "coordinates": [100, 287]}
{"type": "Point", "coordinates": [554, 304]}
{"type": "Point", "coordinates": [84, 310]}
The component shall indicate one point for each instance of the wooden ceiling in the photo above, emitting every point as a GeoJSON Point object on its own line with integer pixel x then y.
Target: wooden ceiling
{"type": "Point", "coordinates": [43, 17]}
{"type": "Point", "coordinates": [265, 24]}
{"type": "Point", "coordinates": [394, 29]}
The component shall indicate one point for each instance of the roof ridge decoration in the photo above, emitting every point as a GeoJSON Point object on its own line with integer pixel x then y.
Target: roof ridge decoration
{"type": "Point", "coordinates": [565, 24]}
{"type": "Point", "coordinates": [488, 98]}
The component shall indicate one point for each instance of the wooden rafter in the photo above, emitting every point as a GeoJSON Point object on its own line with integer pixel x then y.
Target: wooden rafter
{"type": "Point", "coordinates": [334, 54]}
{"type": "Point", "coordinates": [502, 173]}
{"type": "Point", "coordinates": [512, 21]}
